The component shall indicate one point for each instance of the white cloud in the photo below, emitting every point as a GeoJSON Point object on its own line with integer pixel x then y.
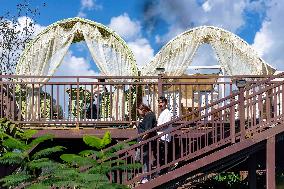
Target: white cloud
{"type": "Point", "coordinates": [206, 6]}
{"type": "Point", "coordinates": [182, 15]}
{"type": "Point", "coordinates": [130, 31]}
{"type": "Point", "coordinates": [268, 40]}
{"type": "Point", "coordinates": [142, 50]}
{"type": "Point", "coordinates": [125, 27]}
{"type": "Point", "coordinates": [75, 66]}
{"type": "Point", "coordinates": [26, 21]}
{"type": "Point", "coordinates": [88, 5]}
{"type": "Point", "coordinates": [81, 14]}
{"type": "Point", "coordinates": [173, 31]}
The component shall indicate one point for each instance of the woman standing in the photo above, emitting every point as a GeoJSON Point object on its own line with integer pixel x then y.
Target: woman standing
{"type": "Point", "coordinates": [148, 122]}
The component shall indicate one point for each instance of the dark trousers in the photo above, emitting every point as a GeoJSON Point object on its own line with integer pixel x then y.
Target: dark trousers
{"type": "Point", "coordinates": [92, 112]}
{"type": "Point", "coordinates": [166, 153]}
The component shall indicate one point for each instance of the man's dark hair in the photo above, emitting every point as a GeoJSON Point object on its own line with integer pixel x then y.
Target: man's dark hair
{"type": "Point", "coordinates": [163, 99]}
{"type": "Point", "coordinates": [101, 80]}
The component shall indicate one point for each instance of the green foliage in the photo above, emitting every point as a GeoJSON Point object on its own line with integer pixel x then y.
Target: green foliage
{"type": "Point", "coordinates": [13, 143]}
{"type": "Point", "coordinates": [38, 186]}
{"type": "Point", "coordinates": [85, 153]}
{"type": "Point", "coordinates": [96, 169]}
{"type": "Point", "coordinates": [230, 179]}
{"type": "Point", "coordinates": [97, 142]}
{"type": "Point", "coordinates": [16, 151]}
{"type": "Point", "coordinates": [80, 170]}
{"type": "Point", "coordinates": [41, 139]}
{"type": "Point", "coordinates": [27, 134]}
{"type": "Point", "coordinates": [45, 102]}
{"type": "Point", "coordinates": [47, 152]}
{"type": "Point", "coordinates": [8, 127]}
{"type": "Point", "coordinates": [84, 99]}
{"type": "Point", "coordinates": [12, 158]}
{"type": "Point", "coordinates": [78, 161]}
{"type": "Point", "coordinates": [279, 178]}
{"type": "Point", "coordinates": [223, 180]}
{"type": "Point", "coordinates": [8, 130]}
{"type": "Point", "coordinates": [14, 179]}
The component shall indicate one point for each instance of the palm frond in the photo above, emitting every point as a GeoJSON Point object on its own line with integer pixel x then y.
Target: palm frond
{"type": "Point", "coordinates": [100, 169]}
{"type": "Point", "coordinates": [43, 163]}
{"type": "Point", "coordinates": [86, 153]}
{"type": "Point", "coordinates": [41, 139]}
{"type": "Point", "coordinates": [14, 143]}
{"type": "Point", "coordinates": [47, 151]}
{"type": "Point", "coordinates": [15, 179]}
{"type": "Point", "coordinates": [78, 160]}
{"type": "Point", "coordinates": [27, 134]}
{"type": "Point", "coordinates": [93, 141]}
{"type": "Point", "coordinates": [38, 186]}
{"type": "Point", "coordinates": [12, 158]}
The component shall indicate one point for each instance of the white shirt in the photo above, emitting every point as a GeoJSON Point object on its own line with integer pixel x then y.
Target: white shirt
{"type": "Point", "coordinates": [165, 117]}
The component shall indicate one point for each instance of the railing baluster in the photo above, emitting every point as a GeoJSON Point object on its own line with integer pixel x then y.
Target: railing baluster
{"type": "Point", "coordinates": [32, 107]}
{"type": "Point", "coordinates": [39, 103]}
{"type": "Point", "coordinates": [20, 103]}
{"type": "Point", "coordinates": [232, 122]}
{"type": "Point", "coordinates": [111, 101]}
{"type": "Point", "coordinates": [14, 104]}
{"type": "Point", "coordinates": [64, 103]}
{"type": "Point", "coordinates": [44, 103]}
{"type": "Point", "coordinates": [77, 105]}
{"type": "Point", "coordinates": [242, 112]}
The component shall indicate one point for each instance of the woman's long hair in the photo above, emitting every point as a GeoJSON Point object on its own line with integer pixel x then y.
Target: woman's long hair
{"type": "Point", "coordinates": [144, 107]}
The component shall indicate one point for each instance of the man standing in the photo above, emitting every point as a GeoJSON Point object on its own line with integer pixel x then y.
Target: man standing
{"type": "Point", "coordinates": [165, 140]}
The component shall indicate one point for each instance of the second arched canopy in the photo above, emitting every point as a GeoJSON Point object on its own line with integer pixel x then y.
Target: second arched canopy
{"type": "Point", "coordinates": [235, 56]}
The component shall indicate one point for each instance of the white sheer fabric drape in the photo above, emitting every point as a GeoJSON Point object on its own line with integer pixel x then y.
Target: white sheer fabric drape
{"type": "Point", "coordinates": [113, 59]}
{"type": "Point", "coordinates": [111, 56]}
{"type": "Point", "coordinates": [234, 55]}
{"type": "Point", "coordinates": [175, 57]}
{"type": "Point", "coordinates": [42, 59]}
{"type": "Point", "coordinates": [45, 54]}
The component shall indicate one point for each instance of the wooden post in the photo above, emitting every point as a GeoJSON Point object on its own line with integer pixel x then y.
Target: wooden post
{"type": "Point", "coordinates": [270, 163]}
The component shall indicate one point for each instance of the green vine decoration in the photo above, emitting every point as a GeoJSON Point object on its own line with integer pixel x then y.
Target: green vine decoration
{"type": "Point", "coordinates": [45, 103]}
{"type": "Point", "coordinates": [84, 101]}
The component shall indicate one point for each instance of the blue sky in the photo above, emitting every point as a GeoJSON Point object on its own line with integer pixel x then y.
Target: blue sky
{"type": "Point", "coordinates": [147, 25]}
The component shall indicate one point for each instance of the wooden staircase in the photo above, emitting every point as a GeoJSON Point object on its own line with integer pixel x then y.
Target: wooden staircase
{"type": "Point", "coordinates": [231, 128]}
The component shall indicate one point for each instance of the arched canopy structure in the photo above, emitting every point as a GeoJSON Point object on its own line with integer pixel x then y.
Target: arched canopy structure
{"type": "Point", "coordinates": [46, 51]}
{"type": "Point", "coordinates": [235, 56]}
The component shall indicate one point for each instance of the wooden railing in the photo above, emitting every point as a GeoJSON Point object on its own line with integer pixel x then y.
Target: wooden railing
{"type": "Point", "coordinates": [71, 101]}
{"type": "Point", "coordinates": [238, 117]}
